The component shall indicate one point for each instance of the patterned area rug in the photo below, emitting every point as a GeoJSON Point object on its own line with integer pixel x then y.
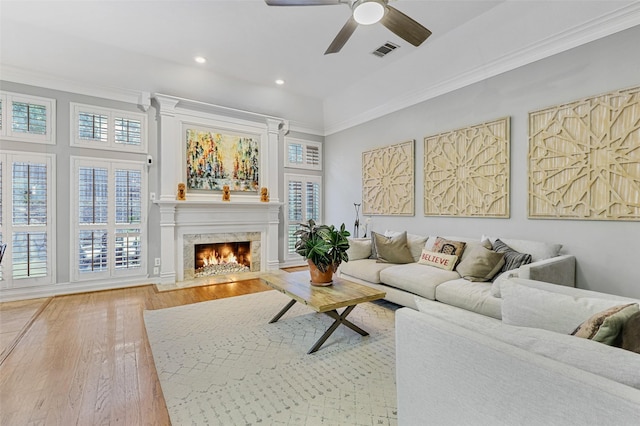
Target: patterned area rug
{"type": "Point", "coordinates": [221, 363]}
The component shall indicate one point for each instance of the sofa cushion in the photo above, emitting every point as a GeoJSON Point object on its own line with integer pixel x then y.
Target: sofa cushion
{"type": "Point", "coordinates": [359, 248]}
{"type": "Point", "coordinates": [474, 297]}
{"type": "Point", "coordinates": [392, 249]}
{"type": "Point", "coordinates": [364, 269]}
{"type": "Point", "coordinates": [537, 249]}
{"type": "Point", "coordinates": [606, 326]}
{"type": "Point", "coordinates": [438, 260]}
{"type": "Point", "coordinates": [512, 259]}
{"type": "Point", "coordinates": [531, 307]}
{"type": "Point", "coordinates": [481, 264]}
{"type": "Point", "coordinates": [415, 242]}
{"type": "Point", "coordinates": [613, 363]}
{"type": "Point", "coordinates": [417, 279]}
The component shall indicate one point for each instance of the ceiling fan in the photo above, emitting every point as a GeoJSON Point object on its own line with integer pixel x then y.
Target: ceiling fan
{"type": "Point", "coordinates": [366, 12]}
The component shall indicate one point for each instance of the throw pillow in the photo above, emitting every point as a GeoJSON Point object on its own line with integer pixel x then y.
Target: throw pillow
{"type": "Point", "coordinates": [374, 251]}
{"type": "Point", "coordinates": [532, 307]}
{"type": "Point", "coordinates": [359, 248]}
{"type": "Point", "coordinates": [445, 246]}
{"type": "Point", "coordinates": [393, 249]}
{"type": "Point", "coordinates": [631, 334]}
{"type": "Point", "coordinates": [480, 264]}
{"type": "Point", "coordinates": [605, 326]}
{"type": "Point", "coordinates": [512, 259]}
{"type": "Point", "coordinates": [415, 242]}
{"type": "Point", "coordinates": [439, 260]}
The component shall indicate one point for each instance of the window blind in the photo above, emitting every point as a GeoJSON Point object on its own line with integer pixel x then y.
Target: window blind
{"type": "Point", "coordinates": [29, 118]}
{"type": "Point", "coordinates": [29, 182]}
{"type": "Point", "coordinates": [93, 250]}
{"type": "Point", "coordinates": [93, 127]}
{"type": "Point", "coordinates": [29, 254]}
{"type": "Point", "coordinates": [92, 195]}
{"type": "Point", "coordinates": [128, 131]}
{"type": "Point", "coordinates": [128, 187]}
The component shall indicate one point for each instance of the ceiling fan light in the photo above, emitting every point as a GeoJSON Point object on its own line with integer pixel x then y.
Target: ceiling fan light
{"type": "Point", "coordinates": [367, 12]}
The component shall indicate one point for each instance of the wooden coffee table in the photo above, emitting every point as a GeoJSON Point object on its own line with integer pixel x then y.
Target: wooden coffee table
{"type": "Point", "coordinates": [342, 293]}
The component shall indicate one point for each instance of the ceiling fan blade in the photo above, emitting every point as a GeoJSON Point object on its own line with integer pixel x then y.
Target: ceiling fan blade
{"type": "Point", "coordinates": [342, 36]}
{"type": "Point", "coordinates": [404, 27]}
{"type": "Point", "coordinates": [301, 2]}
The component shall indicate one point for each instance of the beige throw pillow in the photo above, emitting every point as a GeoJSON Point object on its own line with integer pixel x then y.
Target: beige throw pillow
{"type": "Point", "coordinates": [439, 260]}
{"type": "Point", "coordinates": [359, 248]}
{"type": "Point", "coordinates": [606, 326]}
{"type": "Point", "coordinates": [392, 249]}
{"type": "Point", "coordinates": [480, 264]}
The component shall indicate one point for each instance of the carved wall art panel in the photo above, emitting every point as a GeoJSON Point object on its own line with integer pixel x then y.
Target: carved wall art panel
{"type": "Point", "coordinates": [584, 159]}
{"type": "Point", "coordinates": [388, 180]}
{"type": "Point", "coordinates": [466, 171]}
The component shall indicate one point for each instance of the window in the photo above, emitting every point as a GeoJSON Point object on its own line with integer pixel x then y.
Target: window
{"type": "Point", "coordinates": [303, 203]}
{"type": "Point", "coordinates": [26, 219]}
{"type": "Point", "coordinates": [27, 118]}
{"type": "Point", "coordinates": [108, 229]}
{"type": "Point", "coordinates": [103, 128]}
{"type": "Point", "coordinates": [303, 154]}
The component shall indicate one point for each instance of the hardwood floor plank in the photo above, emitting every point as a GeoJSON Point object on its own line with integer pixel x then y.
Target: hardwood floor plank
{"type": "Point", "coordinates": [86, 359]}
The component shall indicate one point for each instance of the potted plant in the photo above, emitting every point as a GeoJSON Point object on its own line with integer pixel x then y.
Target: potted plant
{"type": "Point", "coordinates": [324, 247]}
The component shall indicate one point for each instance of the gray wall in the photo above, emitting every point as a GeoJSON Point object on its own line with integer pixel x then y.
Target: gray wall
{"type": "Point", "coordinates": [607, 252]}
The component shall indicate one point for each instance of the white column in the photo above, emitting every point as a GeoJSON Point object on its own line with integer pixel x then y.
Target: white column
{"type": "Point", "coordinates": [272, 260]}
{"type": "Point", "coordinates": [168, 247]}
{"type": "Point", "coordinates": [170, 144]}
{"type": "Point", "coordinates": [272, 158]}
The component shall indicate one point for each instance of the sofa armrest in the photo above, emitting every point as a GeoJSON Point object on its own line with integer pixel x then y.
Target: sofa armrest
{"type": "Point", "coordinates": [450, 375]}
{"type": "Point", "coordinates": [556, 270]}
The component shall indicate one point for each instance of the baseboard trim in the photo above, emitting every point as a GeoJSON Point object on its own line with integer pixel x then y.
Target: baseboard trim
{"type": "Point", "coordinates": [60, 289]}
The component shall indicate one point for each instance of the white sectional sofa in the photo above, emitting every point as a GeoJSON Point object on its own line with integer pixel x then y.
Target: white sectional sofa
{"type": "Point", "coordinates": [455, 367]}
{"type": "Point", "coordinates": [402, 282]}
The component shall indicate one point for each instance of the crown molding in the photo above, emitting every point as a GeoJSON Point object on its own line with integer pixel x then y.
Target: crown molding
{"type": "Point", "coordinates": [603, 26]}
{"type": "Point", "coordinates": [34, 78]}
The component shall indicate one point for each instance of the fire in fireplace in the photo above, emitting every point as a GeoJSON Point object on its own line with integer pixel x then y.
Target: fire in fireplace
{"type": "Point", "coordinates": [222, 258]}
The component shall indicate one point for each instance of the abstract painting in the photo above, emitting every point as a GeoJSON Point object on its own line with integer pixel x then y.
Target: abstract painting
{"type": "Point", "coordinates": [388, 180]}
{"type": "Point", "coordinates": [466, 171]}
{"type": "Point", "coordinates": [584, 158]}
{"type": "Point", "coordinates": [216, 159]}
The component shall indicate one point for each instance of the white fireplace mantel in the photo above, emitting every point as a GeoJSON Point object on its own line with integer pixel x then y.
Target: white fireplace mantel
{"type": "Point", "coordinates": [204, 212]}
{"type": "Point", "coordinates": [180, 218]}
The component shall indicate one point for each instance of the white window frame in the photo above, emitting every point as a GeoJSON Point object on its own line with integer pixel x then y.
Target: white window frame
{"type": "Point", "coordinates": [112, 114]}
{"type": "Point", "coordinates": [305, 178]}
{"type": "Point", "coordinates": [7, 158]}
{"type": "Point", "coordinates": [111, 225]}
{"type": "Point", "coordinates": [305, 144]}
{"type": "Point", "coordinates": [6, 132]}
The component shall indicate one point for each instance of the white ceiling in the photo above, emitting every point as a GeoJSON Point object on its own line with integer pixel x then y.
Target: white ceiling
{"type": "Point", "coordinates": [150, 45]}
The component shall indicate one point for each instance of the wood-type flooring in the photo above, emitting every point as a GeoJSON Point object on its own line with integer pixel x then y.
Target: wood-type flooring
{"type": "Point", "coordinates": [84, 359]}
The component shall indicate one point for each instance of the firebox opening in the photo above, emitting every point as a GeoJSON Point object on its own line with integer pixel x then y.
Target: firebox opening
{"type": "Point", "coordinates": [222, 258]}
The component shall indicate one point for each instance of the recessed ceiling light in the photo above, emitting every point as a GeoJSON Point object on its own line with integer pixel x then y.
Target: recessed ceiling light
{"type": "Point", "coordinates": [200, 59]}
{"type": "Point", "coordinates": [279, 82]}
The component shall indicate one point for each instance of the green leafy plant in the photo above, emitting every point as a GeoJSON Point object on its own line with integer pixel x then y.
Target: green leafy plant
{"type": "Point", "coordinates": [325, 245]}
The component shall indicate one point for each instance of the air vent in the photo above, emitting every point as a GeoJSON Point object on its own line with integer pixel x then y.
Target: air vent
{"type": "Point", "coordinates": [385, 49]}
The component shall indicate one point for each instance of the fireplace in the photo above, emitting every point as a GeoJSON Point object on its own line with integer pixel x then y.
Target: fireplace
{"type": "Point", "coordinates": [222, 258]}
{"type": "Point", "coordinates": [219, 250]}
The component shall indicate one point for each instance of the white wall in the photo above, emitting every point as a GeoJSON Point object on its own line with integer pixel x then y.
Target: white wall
{"type": "Point", "coordinates": [607, 252]}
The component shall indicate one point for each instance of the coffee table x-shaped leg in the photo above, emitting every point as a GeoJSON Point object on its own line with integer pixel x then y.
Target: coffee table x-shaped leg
{"type": "Point", "coordinates": [340, 318]}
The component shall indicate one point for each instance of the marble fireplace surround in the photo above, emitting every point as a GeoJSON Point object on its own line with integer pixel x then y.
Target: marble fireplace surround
{"type": "Point", "coordinates": [185, 223]}
{"type": "Point", "coordinates": [190, 240]}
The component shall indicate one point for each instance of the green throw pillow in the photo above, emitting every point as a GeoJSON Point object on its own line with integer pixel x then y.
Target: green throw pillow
{"type": "Point", "coordinates": [606, 326]}
{"type": "Point", "coordinates": [480, 264]}
{"type": "Point", "coordinates": [392, 249]}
